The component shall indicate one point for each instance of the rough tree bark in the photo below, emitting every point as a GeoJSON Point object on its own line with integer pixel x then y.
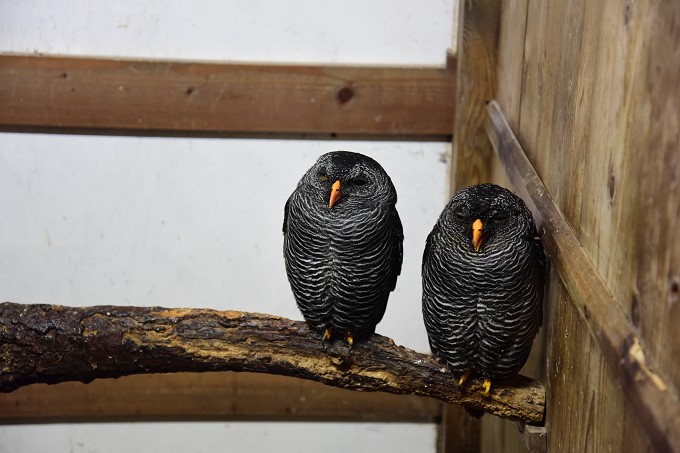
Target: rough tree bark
{"type": "Point", "coordinates": [50, 344]}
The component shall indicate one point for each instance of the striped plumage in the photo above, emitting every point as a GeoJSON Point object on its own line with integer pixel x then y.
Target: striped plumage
{"type": "Point", "coordinates": [482, 308]}
{"type": "Point", "coordinates": [343, 261]}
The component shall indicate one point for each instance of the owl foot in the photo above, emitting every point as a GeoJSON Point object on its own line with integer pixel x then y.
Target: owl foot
{"type": "Point", "coordinates": [350, 340]}
{"type": "Point", "coordinates": [464, 377]}
{"type": "Point", "coordinates": [487, 386]}
{"type": "Point", "coordinates": [327, 335]}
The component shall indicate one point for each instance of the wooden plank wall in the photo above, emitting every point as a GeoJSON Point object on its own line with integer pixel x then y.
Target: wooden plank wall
{"type": "Point", "coordinates": [591, 91]}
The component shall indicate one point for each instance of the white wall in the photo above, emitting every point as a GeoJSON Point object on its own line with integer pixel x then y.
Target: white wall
{"type": "Point", "coordinates": [338, 31]}
{"type": "Point", "coordinates": [91, 220]}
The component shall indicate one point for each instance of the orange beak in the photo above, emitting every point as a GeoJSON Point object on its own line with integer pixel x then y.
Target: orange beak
{"type": "Point", "coordinates": [477, 234]}
{"type": "Point", "coordinates": [335, 193]}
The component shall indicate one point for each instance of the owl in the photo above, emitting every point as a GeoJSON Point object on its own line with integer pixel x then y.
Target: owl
{"type": "Point", "coordinates": [483, 279]}
{"type": "Point", "coordinates": [343, 245]}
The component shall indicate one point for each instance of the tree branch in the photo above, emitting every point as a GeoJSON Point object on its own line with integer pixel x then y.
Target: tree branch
{"type": "Point", "coordinates": [51, 343]}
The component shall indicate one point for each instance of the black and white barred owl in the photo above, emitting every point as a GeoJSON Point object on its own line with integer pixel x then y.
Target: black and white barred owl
{"type": "Point", "coordinates": [483, 280]}
{"type": "Point", "coordinates": [343, 244]}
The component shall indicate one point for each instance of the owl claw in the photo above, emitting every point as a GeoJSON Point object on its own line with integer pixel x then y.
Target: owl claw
{"type": "Point", "coordinates": [327, 335]}
{"type": "Point", "coordinates": [350, 340]}
{"type": "Point", "coordinates": [464, 377]}
{"type": "Point", "coordinates": [487, 386]}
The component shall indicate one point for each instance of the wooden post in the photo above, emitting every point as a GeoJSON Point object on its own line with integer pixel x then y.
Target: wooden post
{"type": "Point", "coordinates": [476, 83]}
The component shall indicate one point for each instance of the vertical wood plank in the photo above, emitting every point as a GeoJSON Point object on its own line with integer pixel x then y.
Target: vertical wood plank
{"type": "Point", "coordinates": [498, 435]}
{"type": "Point", "coordinates": [458, 431]}
{"type": "Point", "coordinates": [568, 76]}
{"type": "Point", "coordinates": [655, 405]}
{"type": "Point", "coordinates": [476, 84]}
{"type": "Point", "coordinates": [653, 178]}
{"type": "Point", "coordinates": [536, 120]}
{"type": "Point", "coordinates": [598, 118]}
{"type": "Point", "coordinates": [512, 35]}
{"type": "Point", "coordinates": [581, 383]}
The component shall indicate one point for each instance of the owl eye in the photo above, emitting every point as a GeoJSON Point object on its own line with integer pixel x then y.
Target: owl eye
{"type": "Point", "coordinates": [461, 215]}
{"type": "Point", "coordinates": [322, 174]}
{"type": "Point", "coordinates": [359, 181]}
{"type": "Point", "coordinates": [499, 218]}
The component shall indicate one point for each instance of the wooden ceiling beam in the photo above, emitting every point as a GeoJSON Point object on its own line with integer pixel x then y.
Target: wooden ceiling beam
{"type": "Point", "coordinates": [135, 97]}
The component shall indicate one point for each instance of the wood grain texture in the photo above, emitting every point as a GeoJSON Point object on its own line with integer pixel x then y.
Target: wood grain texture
{"type": "Point", "coordinates": [209, 396]}
{"type": "Point", "coordinates": [66, 94]}
{"type": "Point", "coordinates": [655, 404]}
{"type": "Point", "coordinates": [598, 120]}
{"type": "Point", "coordinates": [500, 435]}
{"type": "Point", "coordinates": [51, 344]}
{"type": "Point", "coordinates": [476, 74]}
{"type": "Point", "coordinates": [458, 431]}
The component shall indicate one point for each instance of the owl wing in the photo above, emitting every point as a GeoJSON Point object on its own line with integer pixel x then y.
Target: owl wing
{"type": "Point", "coordinates": [510, 349]}
{"type": "Point", "coordinates": [431, 319]}
{"type": "Point", "coordinates": [428, 245]}
{"type": "Point", "coordinates": [541, 271]}
{"type": "Point", "coordinates": [397, 248]}
{"type": "Point", "coordinates": [285, 217]}
{"type": "Point", "coordinates": [542, 262]}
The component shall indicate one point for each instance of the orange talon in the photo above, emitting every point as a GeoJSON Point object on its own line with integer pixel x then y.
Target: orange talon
{"type": "Point", "coordinates": [464, 378]}
{"type": "Point", "coordinates": [327, 335]}
{"type": "Point", "coordinates": [487, 386]}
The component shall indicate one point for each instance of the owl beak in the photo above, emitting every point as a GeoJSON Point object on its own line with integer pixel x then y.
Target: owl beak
{"type": "Point", "coordinates": [477, 234]}
{"type": "Point", "coordinates": [335, 193]}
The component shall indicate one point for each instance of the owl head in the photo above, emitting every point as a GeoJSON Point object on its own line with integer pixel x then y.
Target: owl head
{"type": "Point", "coordinates": [341, 179]}
{"type": "Point", "coordinates": [484, 215]}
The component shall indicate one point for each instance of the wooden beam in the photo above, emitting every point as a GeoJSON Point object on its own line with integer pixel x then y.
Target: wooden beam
{"type": "Point", "coordinates": [84, 95]}
{"type": "Point", "coordinates": [209, 396]}
{"type": "Point", "coordinates": [458, 431]}
{"type": "Point", "coordinates": [655, 403]}
{"type": "Point", "coordinates": [478, 26]}
{"type": "Point", "coordinates": [51, 344]}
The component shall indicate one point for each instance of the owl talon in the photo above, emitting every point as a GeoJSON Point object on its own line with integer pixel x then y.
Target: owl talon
{"type": "Point", "coordinates": [350, 340]}
{"type": "Point", "coordinates": [464, 377]}
{"type": "Point", "coordinates": [487, 386]}
{"type": "Point", "coordinates": [327, 335]}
